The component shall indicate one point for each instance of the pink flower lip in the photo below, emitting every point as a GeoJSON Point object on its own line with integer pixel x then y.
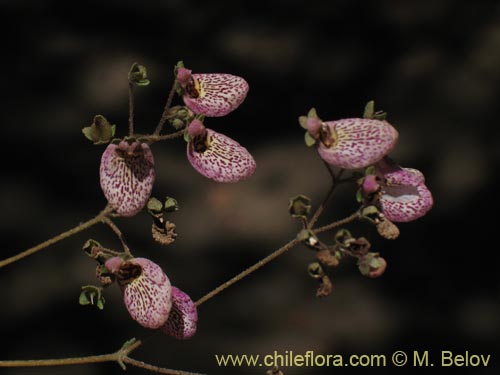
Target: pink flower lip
{"type": "Point", "coordinates": [183, 318]}
{"type": "Point", "coordinates": [356, 142]}
{"type": "Point", "coordinates": [405, 197]}
{"type": "Point", "coordinates": [215, 95]}
{"type": "Point", "coordinates": [127, 176]}
{"type": "Point", "coordinates": [147, 292]}
{"type": "Point", "coordinates": [220, 158]}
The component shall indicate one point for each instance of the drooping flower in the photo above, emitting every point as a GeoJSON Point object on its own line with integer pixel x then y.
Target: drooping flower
{"type": "Point", "coordinates": [183, 317]}
{"type": "Point", "coordinates": [349, 143]}
{"type": "Point", "coordinates": [147, 292]}
{"type": "Point", "coordinates": [127, 176]}
{"type": "Point", "coordinates": [403, 193]}
{"type": "Point", "coordinates": [355, 142]}
{"type": "Point", "coordinates": [211, 95]}
{"type": "Point", "coordinates": [216, 156]}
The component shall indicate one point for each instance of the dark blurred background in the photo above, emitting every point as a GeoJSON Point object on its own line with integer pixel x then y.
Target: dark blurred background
{"type": "Point", "coordinates": [434, 66]}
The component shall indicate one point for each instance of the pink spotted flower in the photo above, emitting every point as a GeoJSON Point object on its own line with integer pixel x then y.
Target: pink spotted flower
{"type": "Point", "coordinates": [211, 95]}
{"type": "Point", "coordinates": [403, 193]}
{"type": "Point", "coordinates": [216, 156]}
{"type": "Point", "coordinates": [127, 175]}
{"type": "Point", "coordinates": [183, 317]}
{"type": "Point", "coordinates": [147, 292]}
{"type": "Point", "coordinates": [351, 143]}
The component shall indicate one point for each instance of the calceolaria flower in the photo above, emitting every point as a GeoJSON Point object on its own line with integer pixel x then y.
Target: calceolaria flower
{"type": "Point", "coordinates": [211, 95]}
{"type": "Point", "coordinates": [216, 156]}
{"type": "Point", "coordinates": [147, 292]}
{"type": "Point", "coordinates": [127, 175]}
{"type": "Point", "coordinates": [350, 143]}
{"type": "Point", "coordinates": [403, 193]}
{"type": "Point", "coordinates": [183, 317]}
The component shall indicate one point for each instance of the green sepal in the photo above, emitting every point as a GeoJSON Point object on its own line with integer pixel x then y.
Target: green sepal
{"type": "Point", "coordinates": [315, 270]}
{"type": "Point", "coordinates": [187, 138]}
{"type": "Point", "coordinates": [312, 113]}
{"type": "Point", "coordinates": [341, 236]}
{"type": "Point", "coordinates": [309, 139]}
{"type": "Point", "coordinates": [369, 111]}
{"type": "Point", "coordinates": [370, 170]}
{"type": "Point", "coordinates": [92, 295]}
{"type": "Point", "coordinates": [154, 206]}
{"type": "Point", "coordinates": [170, 205]}
{"type": "Point", "coordinates": [359, 196]}
{"type": "Point", "coordinates": [83, 299]}
{"type": "Point", "coordinates": [299, 206]}
{"type": "Point", "coordinates": [138, 75]}
{"type": "Point", "coordinates": [100, 131]}
{"type": "Point", "coordinates": [303, 121]}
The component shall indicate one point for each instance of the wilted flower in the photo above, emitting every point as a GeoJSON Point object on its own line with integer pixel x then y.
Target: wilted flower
{"type": "Point", "coordinates": [183, 317]}
{"type": "Point", "coordinates": [403, 195]}
{"type": "Point", "coordinates": [211, 95]}
{"type": "Point", "coordinates": [216, 156]}
{"type": "Point", "coordinates": [350, 143]}
{"type": "Point", "coordinates": [147, 292]}
{"type": "Point", "coordinates": [127, 176]}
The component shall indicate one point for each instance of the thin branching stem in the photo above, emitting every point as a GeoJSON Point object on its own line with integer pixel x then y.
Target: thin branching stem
{"type": "Point", "coordinates": [248, 271]}
{"type": "Point", "coordinates": [164, 115]}
{"type": "Point", "coordinates": [79, 228]}
{"type": "Point", "coordinates": [159, 370]}
{"type": "Point", "coordinates": [155, 138]}
{"type": "Point", "coordinates": [130, 109]}
{"type": "Point", "coordinates": [118, 233]}
{"type": "Point", "coordinates": [324, 203]}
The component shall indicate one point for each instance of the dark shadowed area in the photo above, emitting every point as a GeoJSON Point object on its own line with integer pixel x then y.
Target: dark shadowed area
{"type": "Point", "coordinates": [434, 66]}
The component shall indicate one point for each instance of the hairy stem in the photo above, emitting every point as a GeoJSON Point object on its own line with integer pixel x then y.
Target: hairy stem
{"type": "Point", "coordinates": [159, 370]}
{"type": "Point", "coordinates": [155, 138]}
{"type": "Point", "coordinates": [321, 208]}
{"type": "Point", "coordinates": [79, 228]}
{"type": "Point", "coordinates": [120, 356]}
{"type": "Point", "coordinates": [248, 271]}
{"type": "Point", "coordinates": [118, 233]}
{"type": "Point", "coordinates": [336, 224]}
{"type": "Point", "coordinates": [163, 118]}
{"type": "Point", "coordinates": [130, 109]}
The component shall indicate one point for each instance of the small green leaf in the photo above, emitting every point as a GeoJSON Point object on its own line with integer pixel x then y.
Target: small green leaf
{"type": "Point", "coordinates": [369, 110]}
{"type": "Point", "coordinates": [312, 113]}
{"type": "Point", "coordinates": [308, 138]}
{"type": "Point", "coordinates": [100, 303]}
{"type": "Point", "coordinates": [364, 269]}
{"type": "Point", "coordinates": [187, 138]}
{"type": "Point", "coordinates": [303, 121]}
{"type": "Point", "coordinates": [170, 205]}
{"type": "Point", "coordinates": [154, 205]}
{"type": "Point", "coordinates": [100, 131]}
{"type": "Point", "coordinates": [83, 299]}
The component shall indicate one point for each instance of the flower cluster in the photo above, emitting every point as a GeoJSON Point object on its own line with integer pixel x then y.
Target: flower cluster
{"type": "Point", "coordinates": [150, 298]}
{"type": "Point", "coordinates": [399, 193]}
{"type": "Point", "coordinates": [127, 166]}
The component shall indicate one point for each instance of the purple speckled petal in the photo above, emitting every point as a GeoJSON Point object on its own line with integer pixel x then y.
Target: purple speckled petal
{"type": "Point", "coordinates": [404, 194]}
{"type": "Point", "coordinates": [148, 297]}
{"type": "Point", "coordinates": [224, 159]}
{"type": "Point", "coordinates": [358, 142]}
{"type": "Point", "coordinates": [127, 176]}
{"type": "Point", "coordinates": [217, 94]}
{"type": "Point", "coordinates": [405, 203]}
{"type": "Point", "coordinates": [183, 317]}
